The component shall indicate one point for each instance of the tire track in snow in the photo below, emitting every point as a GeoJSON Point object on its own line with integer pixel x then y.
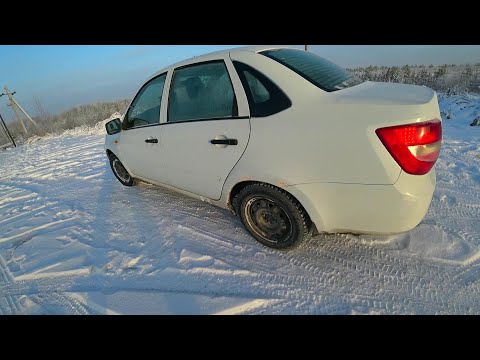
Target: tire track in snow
{"type": "Point", "coordinates": [325, 279]}
{"type": "Point", "coordinates": [376, 269]}
{"type": "Point", "coordinates": [28, 199]}
{"type": "Point", "coordinates": [28, 234]}
{"type": "Point", "coordinates": [403, 275]}
{"type": "Point", "coordinates": [9, 304]}
{"type": "Point", "coordinates": [60, 303]}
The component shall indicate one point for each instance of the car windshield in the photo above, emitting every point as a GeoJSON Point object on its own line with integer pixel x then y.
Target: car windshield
{"type": "Point", "coordinates": [319, 71]}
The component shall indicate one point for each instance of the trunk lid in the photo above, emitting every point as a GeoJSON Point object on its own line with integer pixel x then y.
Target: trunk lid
{"type": "Point", "coordinates": [377, 93]}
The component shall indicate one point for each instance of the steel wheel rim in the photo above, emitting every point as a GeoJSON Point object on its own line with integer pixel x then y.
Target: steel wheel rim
{"type": "Point", "coordinates": [268, 219]}
{"type": "Point", "coordinates": [120, 171]}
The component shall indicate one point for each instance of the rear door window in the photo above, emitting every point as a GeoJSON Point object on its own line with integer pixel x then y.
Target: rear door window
{"type": "Point", "coordinates": [201, 92]}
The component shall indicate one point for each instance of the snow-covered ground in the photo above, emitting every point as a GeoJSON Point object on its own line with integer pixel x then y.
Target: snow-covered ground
{"type": "Point", "coordinates": [73, 240]}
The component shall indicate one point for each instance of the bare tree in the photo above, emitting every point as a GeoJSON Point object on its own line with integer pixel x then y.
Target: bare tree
{"type": "Point", "coordinates": [42, 114]}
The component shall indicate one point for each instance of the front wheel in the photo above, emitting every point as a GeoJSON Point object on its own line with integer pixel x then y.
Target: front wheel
{"type": "Point", "coordinates": [272, 216]}
{"type": "Point", "coordinates": [120, 172]}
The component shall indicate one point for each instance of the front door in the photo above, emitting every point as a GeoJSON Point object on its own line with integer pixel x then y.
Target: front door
{"type": "Point", "coordinates": [140, 137]}
{"type": "Point", "coordinates": [204, 136]}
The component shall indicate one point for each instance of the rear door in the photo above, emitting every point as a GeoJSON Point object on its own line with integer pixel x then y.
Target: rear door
{"type": "Point", "coordinates": [207, 127]}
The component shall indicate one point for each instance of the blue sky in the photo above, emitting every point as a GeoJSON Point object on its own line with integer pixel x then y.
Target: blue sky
{"type": "Point", "coordinates": [65, 76]}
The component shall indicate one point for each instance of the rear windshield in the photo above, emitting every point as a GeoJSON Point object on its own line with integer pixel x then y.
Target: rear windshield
{"type": "Point", "coordinates": [319, 71]}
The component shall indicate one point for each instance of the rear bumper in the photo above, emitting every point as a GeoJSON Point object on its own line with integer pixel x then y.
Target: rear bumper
{"type": "Point", "coordinates": [371, 209]}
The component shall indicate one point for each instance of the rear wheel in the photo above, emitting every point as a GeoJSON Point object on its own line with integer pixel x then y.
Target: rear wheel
{"type": "Point", "coordinates": [272, 216]}
{"type": "Point", "coordinates": [120, 172]}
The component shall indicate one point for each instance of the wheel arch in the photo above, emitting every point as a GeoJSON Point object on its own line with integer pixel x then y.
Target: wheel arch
{"type": "Point", "coordinates": [239, 186]}
{"type": "Point", "coordinates": [109, 153]}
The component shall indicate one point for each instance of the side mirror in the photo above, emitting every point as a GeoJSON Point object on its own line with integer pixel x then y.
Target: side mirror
{"type": "Point", "coordinates": [113, 126]}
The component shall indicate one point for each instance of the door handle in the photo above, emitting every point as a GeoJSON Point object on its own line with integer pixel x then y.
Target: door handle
{"type": "Point", "coordinates": [224, 141]}
{"type": "Point", "coordinates": [152, 141]}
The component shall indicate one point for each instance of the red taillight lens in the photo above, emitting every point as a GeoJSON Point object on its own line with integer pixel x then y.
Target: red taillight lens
{"type": "Point", "coordinates": [415, 147]}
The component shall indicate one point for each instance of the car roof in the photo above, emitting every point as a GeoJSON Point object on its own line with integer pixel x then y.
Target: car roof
{"type": "Point", "coordinates": [208, 56]}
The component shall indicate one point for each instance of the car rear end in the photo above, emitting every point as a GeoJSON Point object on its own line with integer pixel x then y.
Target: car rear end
{"type": "Point", "coordinates": [391, 153]}
{"type": "Point", "coordinates": [368, 148]}
{"type": "Point", "coordinates": [409, 139]}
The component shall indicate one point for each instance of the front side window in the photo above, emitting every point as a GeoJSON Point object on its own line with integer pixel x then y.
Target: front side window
{"type": "Point", "coordinates": [319, 71]}
{"type": "Point", "coordinates": [201, 92]}
{"type": "Point", "coordinates": [145, 109]}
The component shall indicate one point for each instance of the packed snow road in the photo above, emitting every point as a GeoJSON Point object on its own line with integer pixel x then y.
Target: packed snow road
{"type": "Point", "coordinates": [73, 240]}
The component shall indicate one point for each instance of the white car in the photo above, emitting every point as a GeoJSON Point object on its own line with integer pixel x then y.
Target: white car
{"type": "Point", "coordinates": [289, 141]}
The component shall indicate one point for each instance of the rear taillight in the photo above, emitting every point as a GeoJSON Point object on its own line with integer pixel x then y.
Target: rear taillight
{"type": "Point", "coordinates": [415, 147]}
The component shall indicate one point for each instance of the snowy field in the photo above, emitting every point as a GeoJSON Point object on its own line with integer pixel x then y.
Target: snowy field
{"type": "Point", "coordinates": [73, 240]}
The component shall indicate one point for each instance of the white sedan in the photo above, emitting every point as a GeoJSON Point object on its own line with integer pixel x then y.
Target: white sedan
{"type": "Point", "coordinates": [284, 138]}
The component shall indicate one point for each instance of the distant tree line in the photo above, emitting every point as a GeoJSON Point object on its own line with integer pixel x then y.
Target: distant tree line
{"type": "Point", "coordinates": [87, 115]}
{"type": "Point", "coordinates": [450, 79]}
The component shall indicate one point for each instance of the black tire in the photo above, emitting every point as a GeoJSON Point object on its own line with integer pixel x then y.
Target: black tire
{"type": "Point", "coordinates": [120, 172]}
{"type": "Point", "coordinates": [272, 216]}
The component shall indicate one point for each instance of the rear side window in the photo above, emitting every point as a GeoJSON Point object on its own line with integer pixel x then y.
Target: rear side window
{"type": "Point", "coordinates": [319, 71]}
{"type": "Point", "coordinates": [264, 97]}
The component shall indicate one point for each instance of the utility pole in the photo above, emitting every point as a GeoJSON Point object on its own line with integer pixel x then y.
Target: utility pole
{"type": "Point", "coordinates": [21, 109]}
{"type": "Point", "coordinates": [9, 136]}
{"type": "Point", "coordinates": [12, 104]}
{"type": "Point", "coordinates": [15, 105]}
